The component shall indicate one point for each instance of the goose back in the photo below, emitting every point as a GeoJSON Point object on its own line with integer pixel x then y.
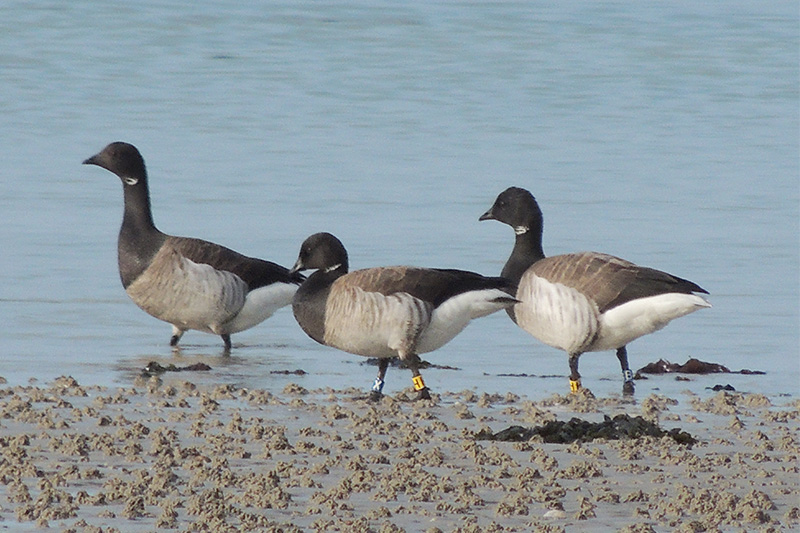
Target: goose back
{"type": "Point", "coordinates": [434, 285]}
{"type": "Point", "coordinates": [253, 271]}
{"type": "Point", "coordinates": [609, 281]}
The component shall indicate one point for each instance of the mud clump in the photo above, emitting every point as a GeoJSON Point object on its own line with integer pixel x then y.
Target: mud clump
{"type": "Point", "coordinates": [577, 430]}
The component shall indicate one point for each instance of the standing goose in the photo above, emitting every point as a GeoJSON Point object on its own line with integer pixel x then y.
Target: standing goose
{"type": "Point", "coordinates": [385, 312]}
{"type": "Point", "coordinates": [190, 283]}
{"type": "Point", "coordinates": [588, 301]}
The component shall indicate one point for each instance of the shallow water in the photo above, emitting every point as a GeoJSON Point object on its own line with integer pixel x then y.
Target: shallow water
{"type": "Point", "coordinates": [665, 134]}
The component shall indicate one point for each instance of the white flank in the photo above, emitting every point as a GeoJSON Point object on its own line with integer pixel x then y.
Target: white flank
{"type": "Point", "coordinates": [629, 321]}
{"type": "Point", "coordinates": [260, 304]}
{"type": "Point", "coordinates": [450, 318]}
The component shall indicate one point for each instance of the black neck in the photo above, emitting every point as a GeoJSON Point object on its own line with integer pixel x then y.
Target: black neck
{"type": "Point", "coordinates": [138, 215]}
{"type": "Point", "coordinates": [527, 250]}
{"type": "Point", "coordinates": [139, 239]}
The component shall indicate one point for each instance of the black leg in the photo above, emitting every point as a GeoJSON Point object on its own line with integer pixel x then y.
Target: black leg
{"type": "Point", "coordinates": [574, 375]}
{"type": "Point", "coordinates": [377, 388]}
{"type": "Point", "coordinates": [176, 336]}
{"type": "Point", "coordinates": [419, 385]}
{"type": "Point", "coordinates": [226, 338]}
{"type": "Point", "coordinates": [627, 375]}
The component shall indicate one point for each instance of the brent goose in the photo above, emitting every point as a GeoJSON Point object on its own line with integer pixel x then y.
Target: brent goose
{"type": "Point", "coordinates": [190, 283]}
{"type": "Point", "coordinates": [385, 312]}
{"type": "Point", "coordinates": [585, 302]}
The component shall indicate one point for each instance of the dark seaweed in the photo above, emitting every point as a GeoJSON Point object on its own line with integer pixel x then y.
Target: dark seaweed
{"type": "Point", "coordinates": [153, 368]}
{"type": "Point", "coordinates": [692, 366]}
{"type": "Point", "coordinates": [577, 430]}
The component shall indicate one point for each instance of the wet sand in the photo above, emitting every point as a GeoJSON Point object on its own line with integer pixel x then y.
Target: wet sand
{"type": "Point", "coordinates": [168, 453]}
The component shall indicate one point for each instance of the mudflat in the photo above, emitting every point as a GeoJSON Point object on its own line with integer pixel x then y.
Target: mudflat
{"type": "Point", "coordinates": [167, 453]}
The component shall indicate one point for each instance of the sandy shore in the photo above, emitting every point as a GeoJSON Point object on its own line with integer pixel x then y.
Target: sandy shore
{"type": "Point", "coordinates": [167, 453]}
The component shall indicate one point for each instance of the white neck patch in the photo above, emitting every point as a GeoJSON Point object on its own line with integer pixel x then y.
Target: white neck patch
{"type": "Point", "coordinates": [130, 181]}
{"type": "Point", "coordinates": [332, 268]}
{"type": "Point", "coordinates": [519, 230]}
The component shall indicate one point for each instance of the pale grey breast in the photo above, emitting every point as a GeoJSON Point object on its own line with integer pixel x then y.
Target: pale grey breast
{"type": "Point", "coordinates": [188, 294]}
{"type": "Point", "coordinates": [367, 322]}
{"type": "Point", "coordinates": [556, 314]}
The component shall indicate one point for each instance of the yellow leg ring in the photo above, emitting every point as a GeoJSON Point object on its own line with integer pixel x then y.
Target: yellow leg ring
{"type": "Point", "coordinates": [418, 383]}
{"type": "Point", "coordinates": [574, 386]}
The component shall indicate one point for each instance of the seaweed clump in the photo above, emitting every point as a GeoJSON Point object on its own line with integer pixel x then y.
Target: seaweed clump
{"type": "Point", "coordinates": [153, 368]}
{"type": "Point", "coordinates": [577, 430]}
{"type": "Point", "coordinates": [692, 366]}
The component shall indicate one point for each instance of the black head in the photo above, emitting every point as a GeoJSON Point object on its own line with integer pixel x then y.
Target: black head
{"type": "Point", "coordinates": [321, 251]}
{"type": "Point", "coordinates": [518, 208]}
{"type": "Point", "coordinates": [122, 159]}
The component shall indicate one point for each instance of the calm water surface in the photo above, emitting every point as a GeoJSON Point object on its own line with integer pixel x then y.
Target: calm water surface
{"type": "Point", "coordinates": [666, 134]}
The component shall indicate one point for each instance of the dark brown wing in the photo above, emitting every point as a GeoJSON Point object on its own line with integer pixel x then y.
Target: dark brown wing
{"type": "Point", "coordinates": [428, 284]}
{"type": "Point", "coordinates": [608, 280]}
{"type": "Point", "coordinates": [255, 272]}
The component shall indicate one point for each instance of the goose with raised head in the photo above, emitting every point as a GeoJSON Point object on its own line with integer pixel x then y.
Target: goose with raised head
{"type": "Point", "coordinates": [589, 301]}
{"type": "Point", "coordinates": [385, 312]}
{"type": "Point", "coordinates": [189, 283]}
